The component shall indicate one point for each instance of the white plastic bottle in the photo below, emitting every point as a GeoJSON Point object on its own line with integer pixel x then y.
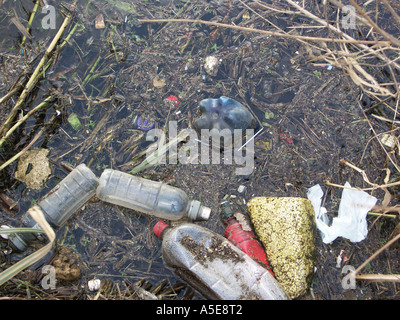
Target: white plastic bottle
{"type": "Point", "coordinates": [214, 266]}
{"type": "Point", "coordinates": [150, 197]}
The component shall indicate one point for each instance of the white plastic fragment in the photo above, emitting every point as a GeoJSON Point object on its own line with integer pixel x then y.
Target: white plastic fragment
{"type": "Point", "coordinates": [211, 65]}
{"type": "Point", "coordinates": [351, 221]}
{"type": "Point", "coordinates": [339, 258]}
{"type": "Point", "coordinates": [94, 284]}
{"type": "Point", "coordinates": [339, 261]}
{"type": "Point", "coordinates": [388, 140]}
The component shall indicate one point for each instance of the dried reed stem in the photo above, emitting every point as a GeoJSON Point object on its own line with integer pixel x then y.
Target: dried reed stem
{"type": "Point", "coordinates": [387, 245]}
{"type": "Point", "coordinates": [34, 77]}
{"type": "Point", "coordinates": [270, 33]}
{"type": "Point", "coordinates": [379, 277]}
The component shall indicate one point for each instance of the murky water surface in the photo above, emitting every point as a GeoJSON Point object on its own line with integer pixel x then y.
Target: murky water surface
{"type": "Point", "coordinates": [113, 70]}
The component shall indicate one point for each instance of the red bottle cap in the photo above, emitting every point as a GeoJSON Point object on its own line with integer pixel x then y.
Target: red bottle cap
{"type": "Point", "coordinates": [159, 228]}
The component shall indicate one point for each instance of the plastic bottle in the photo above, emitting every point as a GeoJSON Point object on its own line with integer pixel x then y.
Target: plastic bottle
{"type": "Point", "coordinates": [150, 197]}
{"type": "Point", "coordinates": [60, 203]}
{"type": "Point", "coordinates": [214, 266]}
{"type": "Point", "coordinates": [224, 113]}
{"type": "Point", "coordinates": [243, 239]}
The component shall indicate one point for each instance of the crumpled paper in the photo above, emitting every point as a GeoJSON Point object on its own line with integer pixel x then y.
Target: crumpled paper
{"type": "Point", "coordinates": [351, 222]}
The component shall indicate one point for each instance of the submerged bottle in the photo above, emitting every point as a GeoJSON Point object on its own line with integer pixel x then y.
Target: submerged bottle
{"type": "Point", "coordinates": [150, 197]}
{"type": "Point", "coordinates": [60, 203]}
{"type": "Point", "coordinates": [243, 239]}
{"type": "Point", "coordinates": [214, 266]}
{"type": "Point", "coordinates": [224, 113]}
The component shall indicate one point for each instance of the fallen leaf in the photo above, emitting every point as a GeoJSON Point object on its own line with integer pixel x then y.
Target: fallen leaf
{"type": "Point", "coordinates": [158, 83]}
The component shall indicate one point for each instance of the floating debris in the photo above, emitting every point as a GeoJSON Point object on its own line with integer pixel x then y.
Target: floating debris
{"type": "Point", "coordinates": [388, 140]}
{"type": "Point", "coordinates": [94, 284]}
{"type": "Point", "coordinates": [74, 121]}
{"type": "Point", "coordinates": [211, 65]}
{"type": "Point", "coordinates": [286, 227]}
{"type": "Point", "coordinates": [173, 100]}
{"type": "Point", "coordinates": [99, 22]}
{"type": "Point", "coordinates": [33, 168]}
{"type": "Point", "coordinates": [351, 222]}
{"type": "Point", "coordinates": [143, 123]}
{"type": "Point", "coordinates": [67, 264]}
{"type": "Point", "coordinates": [224, 113]}
{"type": "Point", "coordinates": [158, 82]}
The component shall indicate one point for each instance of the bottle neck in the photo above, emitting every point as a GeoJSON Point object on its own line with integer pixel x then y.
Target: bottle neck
{"type": "Point", "coordinates": [226, 212]}
{"type": "Point", "coordinates": [159, 229]}
{"type": "Point", "coordinates": [232, 220]}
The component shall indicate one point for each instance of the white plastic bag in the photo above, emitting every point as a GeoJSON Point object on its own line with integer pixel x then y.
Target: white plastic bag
{"type": "Point", "coordinates": [351, 221]}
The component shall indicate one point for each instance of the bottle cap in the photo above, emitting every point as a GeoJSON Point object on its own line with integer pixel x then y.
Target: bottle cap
{"type": "Point", "coordinates": [204, 214]}
{"type": "Point", "coordinates": [197, 212]}
{"type": "Point", "coordinates": [159, 228]}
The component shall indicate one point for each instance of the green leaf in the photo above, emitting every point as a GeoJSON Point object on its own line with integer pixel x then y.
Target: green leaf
{"type": "Point", "coordinates": [20, 230]}
{"type": "Point", "coordinates": [317, 73]}
{"type": "Point", "coordinates": [73, 120]}
{"type": "Point", "coordinates": [269, 115]}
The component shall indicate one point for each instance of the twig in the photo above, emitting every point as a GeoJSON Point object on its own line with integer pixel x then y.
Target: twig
{"type": "Point", "coordinates": [379, 140]}
{"type": "Point", "coordinates": [271, 33]}
{"type": "Point", "coordinates": [388, 185]}
{"type": "Point", "coordinates": [385, 119]}
{"type": "Point", "coordinates": [365, 177]}
{"type": "Point", "coordinates": [89, 75]}
{"type": "Point", "coordinates": [395, 15]}
{"type": "Point", "coordinates": [383, 215]}
{"type": "Point", "coordinates": [379, 277]}
{"type": "Point", "coordinates": [10, 94]}
{"type": "Point", "coordinates": [34, 76]}
{"type": "Point", "coordinates": [361, 44]}
{"type": "Point", "coordinates": [387, 245]}
{"type": "Point", "coordinates": [386, 35]}
{"type": "Point", "coordinates": [375, 186]}
{"type": "Point", "coordinates": [24, 118]}
{"type": "Point", "coordinates": [19, 154]}
{"type": "Point", "coordinates": [20, 26]}
{"type": "Point", "coordinates": [386, 208]}
{"type": "Point", "coordinates": [30, 22]}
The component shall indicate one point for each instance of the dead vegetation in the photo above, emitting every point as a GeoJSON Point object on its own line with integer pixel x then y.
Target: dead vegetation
{"type": "Point", "coordinates": [322, 126]}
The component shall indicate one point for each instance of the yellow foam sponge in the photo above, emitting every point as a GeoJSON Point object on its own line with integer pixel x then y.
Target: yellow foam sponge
{"type": "Point", "coordinates": [286, 227]}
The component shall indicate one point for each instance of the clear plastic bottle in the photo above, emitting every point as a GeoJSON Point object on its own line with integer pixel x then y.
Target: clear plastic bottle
{"type": "Point", "coordinates": [214, 266]}
{"type": "Point", "coordinates": [60, 203]}
{"type": "Point", "coordinates": [150, 197]}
